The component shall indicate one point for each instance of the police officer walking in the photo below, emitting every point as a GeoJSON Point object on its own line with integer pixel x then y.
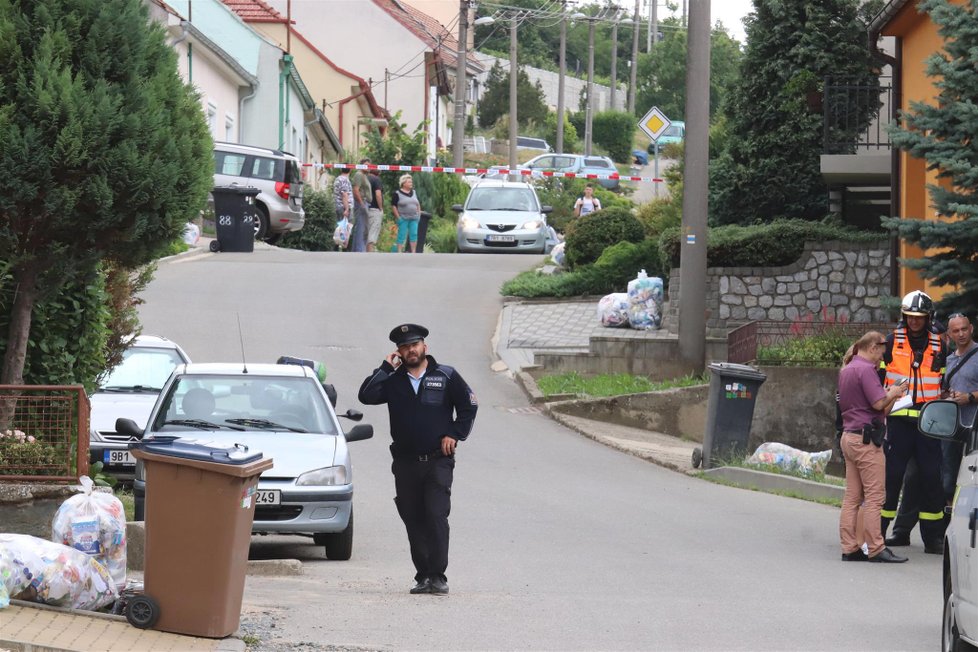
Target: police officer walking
{"type": "Point", "coordinates": [431, 409]}
{"type": "Point", "coordinates": [915, 354]}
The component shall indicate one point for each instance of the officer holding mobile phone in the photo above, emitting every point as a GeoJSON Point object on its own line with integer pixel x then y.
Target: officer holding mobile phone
{"type": "Point", "coordinates": [431, 409]}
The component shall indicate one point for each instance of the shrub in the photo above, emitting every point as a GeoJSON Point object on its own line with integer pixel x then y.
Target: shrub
{"type": "Point", "coordinates": [562, 193]}
{"type": "Point", "coordinates": [620, 263]}
{"type": "Point", "coordinates": [441, 236]}
{"type": "Point", "coordinates": [761, 245]}
{"type": "Point", "coordinates": [532, 284]}
{"type": "Point", "coordinates": [660, 214]}
{"type": "Point", "coordinates": [317, 234]}
{"type": "Point", "coordinates": [589, 235]}
{"type": "Point", "coordinates": [613, 130]}
{"type": "Point", "coordinates": [822, 350]}
{"type": "Point", "coordinates": [21, 454]}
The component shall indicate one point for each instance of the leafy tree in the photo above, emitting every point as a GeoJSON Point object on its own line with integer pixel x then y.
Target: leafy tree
{"type": "Point", "coordinates": [771, 164]}
{"type": "Point", "coordinates": [661, 75]}
{"type": "Point", "coordinates": [106, 154]}
{"type": "Point", "coordinates": [614, 130]}
{"type": "Point", "coordinates": [942, 134]}
{"type": "Point", "coordinates": [495, 99]}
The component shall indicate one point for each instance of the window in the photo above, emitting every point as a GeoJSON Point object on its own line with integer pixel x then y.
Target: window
{"type": "Point", "coordinates": [596, 163]}
{"type": "Point", "coordinates": [227, 163]}
{"type": "Point", "coordinates": [212, 118]}
{"type": "Point", "coordinates": [229, 135]}
{"type": "Point", "coordinates": [263, 168]}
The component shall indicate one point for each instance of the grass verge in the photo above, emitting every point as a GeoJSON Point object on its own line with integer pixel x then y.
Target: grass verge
{"type": "Point", "coordinates": [787, 494]}
{"type": "Point", "coordinates": [611, 384]}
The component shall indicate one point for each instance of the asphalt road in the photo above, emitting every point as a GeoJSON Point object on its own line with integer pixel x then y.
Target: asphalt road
{"type": "Point", "coordinates": [558, 543]}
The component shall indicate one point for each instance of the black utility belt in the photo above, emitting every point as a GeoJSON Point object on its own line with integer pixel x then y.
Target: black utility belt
{"type": "Point", "coordinates": [871, 433]}
{"type": "Point", "coordinates": [418, 457]}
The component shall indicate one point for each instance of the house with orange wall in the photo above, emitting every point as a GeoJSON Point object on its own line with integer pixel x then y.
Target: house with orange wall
{"type": "Point", "coordinates": [346, 99]}
{"type": "Point", "coordinates": [916, 39]}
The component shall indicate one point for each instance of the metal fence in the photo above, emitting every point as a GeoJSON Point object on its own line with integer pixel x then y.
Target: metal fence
{"type": "Point", "coordinates": [757, 341]}
{"type": "Point", "coordinates": [855, 116]}
{"type": "Point", "coordinates": [43, 432]}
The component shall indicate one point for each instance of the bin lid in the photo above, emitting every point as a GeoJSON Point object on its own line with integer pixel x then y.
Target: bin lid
{"type": "Point", "coordinates": [734, 370]}
{"type": "Point", "coordinates": [236, 190]}
{"type": "Point", "coordinates": [197, 449]}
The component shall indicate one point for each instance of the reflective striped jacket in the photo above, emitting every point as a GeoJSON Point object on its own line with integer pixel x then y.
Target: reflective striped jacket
{"type": "Point", "coordinates": [924, 374]}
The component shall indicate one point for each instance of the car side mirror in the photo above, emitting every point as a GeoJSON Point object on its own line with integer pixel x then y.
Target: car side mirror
{"type": "Point", "coordinates": [352, 415]}
{"type": "Point", "coordinates": [128, 428]}
{"type": "Point", "coordinates": [546, 210]}
{"type": "Point", "coordinates": [359, 432]}
{"type": "Point", "coordinates": [457, 208]}
{"type": "Point", "coordinates": [939, 419]}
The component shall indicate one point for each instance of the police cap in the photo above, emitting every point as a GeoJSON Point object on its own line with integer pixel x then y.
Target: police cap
{"type": "Point", "coordinates": [408, 333]}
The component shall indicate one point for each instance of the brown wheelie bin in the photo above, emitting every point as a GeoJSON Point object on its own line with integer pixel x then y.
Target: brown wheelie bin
{"type": "Point", "coordinates": [200, 504]}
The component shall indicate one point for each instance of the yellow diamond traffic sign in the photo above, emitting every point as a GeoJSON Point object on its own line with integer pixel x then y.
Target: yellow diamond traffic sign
{"type": "Point", "coordinates": [654, 123]}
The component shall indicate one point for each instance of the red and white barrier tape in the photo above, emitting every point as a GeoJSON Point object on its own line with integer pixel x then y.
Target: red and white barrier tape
{"type": "Point", "coordinates": [477, 171]}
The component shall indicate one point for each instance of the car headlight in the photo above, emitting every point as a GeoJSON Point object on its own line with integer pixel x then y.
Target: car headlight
{"type": "Point", "coordinates": [535, 224]}
{"type": "Point", "coordinates": [329, 476]}
{"type": "Point", "coordinates": [468, 223]}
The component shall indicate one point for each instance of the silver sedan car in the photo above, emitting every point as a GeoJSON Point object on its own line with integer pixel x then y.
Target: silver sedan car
{"type": "Point", "coordinates": [283, 411]}
{"type": "Point", "coordinates": [503, 216]}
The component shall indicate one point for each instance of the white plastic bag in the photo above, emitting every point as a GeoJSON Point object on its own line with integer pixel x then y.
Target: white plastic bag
{"type": "Point", "coordinates": [94, 523]}
{"type": "Point", "coordinates": [790, 459]}
{"type": "Point", "coordinates": [613, 310]}
{"type": "Point", "coordinates": [557, 254]}
{"type": "Point", "coordinates": [341, 234]}
{"type": "Point", "coordinates": [645, 302]}
{"type": "Point", "coordinates": [51, 573]}
{"type": "Point", "coordinates": [191, 233]}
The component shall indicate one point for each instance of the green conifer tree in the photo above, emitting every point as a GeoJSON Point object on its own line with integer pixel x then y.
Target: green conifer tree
{"type": "Point", "coordinates": [943, 134]}
{"type": "Point", "coordinates": [104, 152]}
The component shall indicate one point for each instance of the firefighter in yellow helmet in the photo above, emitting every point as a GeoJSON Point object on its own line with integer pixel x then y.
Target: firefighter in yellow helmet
{"type": "Point", "coordinates": [915, 354]}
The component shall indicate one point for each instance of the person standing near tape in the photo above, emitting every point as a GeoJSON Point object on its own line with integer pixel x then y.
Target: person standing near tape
{"type": "Point", "coordinates": [375, 209]}
{"type": "Point", "coordinates": [960, 386]}
{"type": "Point", "coordinates": [915, 354]}
{"type": "Point", "coordinates": [407, 209]}
{"type": "Point", "coordinates": [431, 409]}
{"type": "Point", "coordinates": [361, 200]}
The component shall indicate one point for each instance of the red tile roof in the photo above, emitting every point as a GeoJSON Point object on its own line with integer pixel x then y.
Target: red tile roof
{"type": "Point", "coordinates": [426, 28]}
{"type": "Point", "coordinates": [255, 11]}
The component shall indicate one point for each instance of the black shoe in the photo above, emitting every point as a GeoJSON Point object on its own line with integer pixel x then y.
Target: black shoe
{"type": "Point", "coordinates": [934, 548]}
{"type": "Point", "coordinates": [886, 556]}
{"type": "Point", "coordinates": [855, 555]}
{"type": "Point", "coordinates": [898, 540]}
{"type": "Point", "coordinates": [423, 586]}
{"type": "Point", "coordinates": [439, 586]}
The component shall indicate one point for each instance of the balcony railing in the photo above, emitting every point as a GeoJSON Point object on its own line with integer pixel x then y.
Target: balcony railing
{"type": "Point", "coordinates": [855, 116]}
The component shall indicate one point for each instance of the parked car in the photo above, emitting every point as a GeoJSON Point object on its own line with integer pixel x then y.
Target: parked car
{"type": "Point", "coordinates": [130, 390]}
{"type": "Point", "coordinates": [576, 163]}
{"type": "Point", "coordinates": [526, 142]}
{"type": "Point", "coordinates": [503, 216]}
{"type": "Point", "coordinates": [278, 177]}
{"type": "Point", "coordinates": [941, 419]}
{"type": "Point", "coordinates": [674, 133]}
{"type": "Point", "coordinates": [283, 411]}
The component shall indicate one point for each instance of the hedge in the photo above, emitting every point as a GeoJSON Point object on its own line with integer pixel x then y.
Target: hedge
{"type": "Point", "coordinates": [589, 235]}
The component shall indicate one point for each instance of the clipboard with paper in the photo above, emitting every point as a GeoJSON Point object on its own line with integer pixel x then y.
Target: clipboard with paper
{"type": "Point", "coordinates": [902, 403]}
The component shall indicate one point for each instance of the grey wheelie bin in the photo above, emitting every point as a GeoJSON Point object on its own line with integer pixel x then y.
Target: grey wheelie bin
{"type": "Point", "coordinates": [234, 218]}
{"type": "Point", "coordinates": [733, 391]}
{"type": "Point", "coordinates": [200, 506]}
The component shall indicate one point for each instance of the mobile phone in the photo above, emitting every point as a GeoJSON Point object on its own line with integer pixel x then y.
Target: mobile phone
{"type": "Point", "coordinates": [905, 381]}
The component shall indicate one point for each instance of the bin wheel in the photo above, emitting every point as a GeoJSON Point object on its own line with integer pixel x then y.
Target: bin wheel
{"type": "Point", "coordinates": [697, 457]}
{"type": "Point", "coordinates": [142, 612]}
{"type": "Point", "coordinates": [215, 246]}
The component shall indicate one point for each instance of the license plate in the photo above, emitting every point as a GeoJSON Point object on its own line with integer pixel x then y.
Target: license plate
{"type": "Point", "coordinates": [500, 238]}
{"type": "Point", "coordinates": [268, 497]}
{"type": "Point", "coordinates": [121, 458]}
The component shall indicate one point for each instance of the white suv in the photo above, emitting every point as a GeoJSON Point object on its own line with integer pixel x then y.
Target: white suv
{"type": "Point", "coordinates": [278, 177]}
{"type": "Point", "coordinates": [940, 419]}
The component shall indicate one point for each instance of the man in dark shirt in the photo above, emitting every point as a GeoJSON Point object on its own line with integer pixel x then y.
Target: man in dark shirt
{"type": "Point", "coordinates": [431, 409]}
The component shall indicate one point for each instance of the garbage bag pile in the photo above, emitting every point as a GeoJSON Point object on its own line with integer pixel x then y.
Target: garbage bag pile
{"type": "Point", "coordinates": [790, 459]}
{"type": "Point", "coordinates": [613, 310]}
{"type": "Point", "coordinates": [94, 522]}
{"type": "Point", "coordinates": [37, 570]}
{"type": "Point", "coordinates": [557, 254]}
{"type": "Point", "coordinates": [645, 302]}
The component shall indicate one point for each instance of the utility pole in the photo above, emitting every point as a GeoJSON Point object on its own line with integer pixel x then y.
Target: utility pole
{"type": "Point", "coordinates": [653, 24]}
{"type": "Point", "coordinates": [614, 61]}
{"type": "Point", "coordinates": [589, 107]}
{"type": "Point", "coordinates": [512, 93]}
{"type": "Point", "coordinates": [461, 87]}
{"type": "Point", "coordinates": [560, 80]}
{"type": "Point", "coordinates": [633, 71]}
{"type": "Point", "coordinates": [693, 240]}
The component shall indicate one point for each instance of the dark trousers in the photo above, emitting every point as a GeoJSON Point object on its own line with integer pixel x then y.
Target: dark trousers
{"type": "Point", "coordinates": [903, 443]}
{"type": "Point", "coordinates": [906, 517]}
{"type": "Point", "coordinates": [424, 501]}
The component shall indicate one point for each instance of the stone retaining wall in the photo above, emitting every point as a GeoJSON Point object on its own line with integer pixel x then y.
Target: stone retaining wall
{"type": "Point", "coordinates": [833, 280]}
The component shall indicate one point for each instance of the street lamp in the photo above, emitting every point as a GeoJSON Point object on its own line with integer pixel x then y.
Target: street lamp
{"type": "Point", "coordinates": [461, 81]}
{"type": "Point", "coordinates": [614, 55]}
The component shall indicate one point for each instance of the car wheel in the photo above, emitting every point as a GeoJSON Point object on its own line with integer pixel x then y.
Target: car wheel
{"type": "Point", "coordinates": [950, 635]}
{"type": "Point", "coordinates": [261, 222]}
{"type": "Point", "coordinates": [273, 238]}
{"type": "Point", "coordinates": [339, 546]}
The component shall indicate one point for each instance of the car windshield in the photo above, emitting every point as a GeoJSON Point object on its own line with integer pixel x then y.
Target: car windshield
{"type": "Point", "coordinates": [501, 199]}
{"type": "Point", "coordinates": [673, 130]}
{"type": "Point", "coordinates": [142, 369]}
{"type": "Point", "coordinates": [245, 402]}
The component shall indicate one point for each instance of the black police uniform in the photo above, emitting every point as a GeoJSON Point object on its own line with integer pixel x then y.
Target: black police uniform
{"type": "Point", "coordinates": [443, 405]}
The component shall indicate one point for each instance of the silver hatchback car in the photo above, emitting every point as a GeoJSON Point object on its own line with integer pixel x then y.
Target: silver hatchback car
{"type": "Point", "coordinates": [503, 216]}
{"type": "Point", "coordinates": [283, 411]}
{"type": "Point", "coordinates": [278, 177]}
